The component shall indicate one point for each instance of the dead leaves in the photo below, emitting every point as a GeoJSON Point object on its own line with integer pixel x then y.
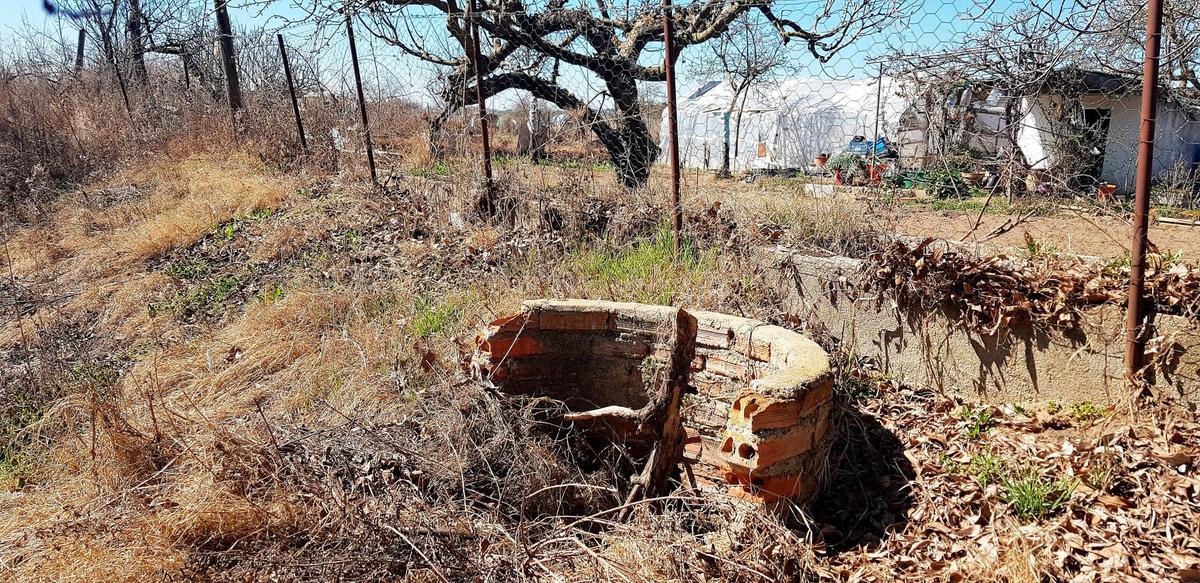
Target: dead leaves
{"type": "Point", "coordinates": [1132, 517]}
{"type": "Point", "coordinates": [993, 293]}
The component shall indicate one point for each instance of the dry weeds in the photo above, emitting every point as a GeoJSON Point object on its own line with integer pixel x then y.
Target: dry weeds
{"type": "Point", "coordinates": [237, 395]}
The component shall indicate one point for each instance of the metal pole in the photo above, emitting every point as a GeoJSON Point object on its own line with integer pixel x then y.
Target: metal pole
{"type": "Point", "coordinates": [878, 101]}
{"type": "Point", "coordinates": [490, 200]}
{"type": "Point", "coordinates": [362, 101]}
{"type": "Point", "coordinates": [1135, 313]}
{"type": "Point", "coordinates": [225, 32]}
{"type": "Point", "coordinates": [673, 126]}
{"type": "Point", "coordinates": [79, 53]}
{"type": "Point", "coordinates": [287, 72]}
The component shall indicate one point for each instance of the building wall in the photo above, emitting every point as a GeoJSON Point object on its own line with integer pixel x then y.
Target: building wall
{"type": "Point", "coordinates": [1177, 137]}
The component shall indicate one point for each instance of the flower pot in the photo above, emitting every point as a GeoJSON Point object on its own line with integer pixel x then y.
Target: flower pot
{"type": "Point", "coordinates": [821, 160]}
{"type": "Point", "coordinates": [875, 172]}
{"type": "Point", "coordinates": [1105, 191]}
{"type": "Point", "coordinates": [837, 177]}
{"type": "Point", "coordinates": [973, 178]}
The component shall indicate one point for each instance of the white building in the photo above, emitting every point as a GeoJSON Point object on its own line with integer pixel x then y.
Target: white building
{"type": "Point", "coordinates": [784, 125]}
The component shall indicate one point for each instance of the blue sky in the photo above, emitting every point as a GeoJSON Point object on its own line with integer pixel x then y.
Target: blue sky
{"type": "Point", "coordinates": [933, 23]}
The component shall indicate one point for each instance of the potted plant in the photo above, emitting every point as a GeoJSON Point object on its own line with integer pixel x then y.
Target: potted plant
{"type": "Point", "coordinates": [1105, 191]}
{"type": "Point", "coordinates": [847, 168]}
{"type": "Point", "coordinates": [822, 158]}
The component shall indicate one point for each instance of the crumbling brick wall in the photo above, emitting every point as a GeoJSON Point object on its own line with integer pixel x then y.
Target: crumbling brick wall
{"type": "Point", "coordinates": [757, 409]}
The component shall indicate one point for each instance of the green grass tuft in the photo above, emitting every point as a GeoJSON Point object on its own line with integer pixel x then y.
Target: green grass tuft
{"type": "Point", "coordinates": [431, 317]}
{"type": "Point", "coordinates": [651, 263]}
{"type": "Point", "coordinates": [1033, 496]}
{"type": "Point", "coordinates": [988, 468]}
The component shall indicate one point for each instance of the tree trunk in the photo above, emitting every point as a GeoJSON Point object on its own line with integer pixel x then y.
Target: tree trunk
{"type": "Point", "coordinates": [628, 141]}
{"type": "Point", "coordinates": [225, 32]}
{"type": "Point", "coordinates": [725, 147]}
{"type": "Point", "coordinates": [137, 44]}
{"type": "Point", "coordinates": [627, 138]}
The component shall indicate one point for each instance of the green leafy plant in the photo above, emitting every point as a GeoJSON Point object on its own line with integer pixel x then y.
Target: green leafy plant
{"type": "Point", "coordinates": [272, 295]}
{"type": "Point", "coordinates": [207, 299]}
{"type": "Point", "coordinates": [987, 467]}
{"type": "Point", "coordinates": [948, 464]}
{"type": "Point", "coordinates": [1034, 249]}
{"type": "Point", "coordinates": [851, 166]}
{"type": "Point", "coordinates": [188, 267]}
{"type": "Point", "coordinates": [978, 421]}
{"type": "Point", "coordinates": [1085, 411]}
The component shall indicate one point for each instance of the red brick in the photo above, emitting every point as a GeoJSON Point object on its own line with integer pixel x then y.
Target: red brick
{"type": "Point", "coordinates": [513, 323]}
{"type": "Point", "coordinates": [758, 412]}
{"type": "Point", "coordinates": [754, 453]}
{"type": "Point", "coordinates": [550, 320]}
{"type": "Point", "coordinates": [714, 337]}
{"type": "Point", "coordinates": [727, 366]}
{"type": "Point", "coordinates": [766, 489]}
{"type": "Point", "coordinates": [503, 348]}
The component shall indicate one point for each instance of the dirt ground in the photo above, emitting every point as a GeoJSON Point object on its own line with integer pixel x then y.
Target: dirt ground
{"type": "Point", "coordinates": [1067, 232]}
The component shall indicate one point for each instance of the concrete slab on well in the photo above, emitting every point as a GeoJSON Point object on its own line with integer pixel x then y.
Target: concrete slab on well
{"type": "Point", "coordinates": [931, 348]}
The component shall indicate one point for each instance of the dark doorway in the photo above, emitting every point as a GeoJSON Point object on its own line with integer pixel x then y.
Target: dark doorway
{"type": "Point", "coordinates": [1095, 138]}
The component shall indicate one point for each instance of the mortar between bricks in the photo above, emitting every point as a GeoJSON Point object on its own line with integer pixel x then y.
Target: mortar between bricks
{"type": "Point", "coordinates": [763, 390]}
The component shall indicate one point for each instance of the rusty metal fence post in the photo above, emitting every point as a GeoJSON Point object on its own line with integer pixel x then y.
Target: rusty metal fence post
{"type": "Point", "coordinates": [1135, 340]}
{"type": "Point", "coordinates": [79, 52]}
{"type": "Point", "coordinates": [489, 202]}
{"type": "Point", "coordinates": [362, 100]}
{"type": "Point", "coordinates": [287, 72]}
{"type": "Point", "coordinates": [673, 126]}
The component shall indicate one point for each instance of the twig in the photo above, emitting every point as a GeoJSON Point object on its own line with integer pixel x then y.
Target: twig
{"type": "Point", "coordinates": [428, 563]}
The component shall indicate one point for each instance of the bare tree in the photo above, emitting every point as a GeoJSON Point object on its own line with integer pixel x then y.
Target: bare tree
{"type": "Point", "coordinates": [745, 56]}
{"type": "Point", "coordinates": [528, 46]}
{"type": "Point", "coordinates": [128, 30]}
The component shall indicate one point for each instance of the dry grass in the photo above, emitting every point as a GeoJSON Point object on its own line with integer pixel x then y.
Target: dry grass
{"type": "Point", "coordinates": [315, 423]}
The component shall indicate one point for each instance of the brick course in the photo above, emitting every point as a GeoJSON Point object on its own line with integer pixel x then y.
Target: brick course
{"type": "Point", "coordinates": [756, 418]}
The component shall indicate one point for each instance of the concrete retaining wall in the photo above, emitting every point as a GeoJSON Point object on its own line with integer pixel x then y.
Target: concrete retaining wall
{"type": "Point", "coordinates": [931, 348]}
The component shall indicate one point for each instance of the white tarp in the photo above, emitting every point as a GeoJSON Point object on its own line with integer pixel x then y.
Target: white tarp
{"type": "Point", "coordinates": [784, 124]}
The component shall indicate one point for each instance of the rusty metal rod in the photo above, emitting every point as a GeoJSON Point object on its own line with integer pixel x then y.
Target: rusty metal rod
{"type": "Point", "coordinates": [362, 100]}
{"type": "Point", "coordinates": [79, 52]}
{"type": "Point", "coordinates": [1135, 313]}
{"type": "Point", "coordinates": [673, 126]}
{"type": "Point", "coordinates": [287, 72]}
{"type": "Point", "coordinates": [490, 200]}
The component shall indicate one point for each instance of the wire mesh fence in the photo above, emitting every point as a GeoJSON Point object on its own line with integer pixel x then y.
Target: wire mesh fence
{"type": "Point", "coordinates": [962, 103]}
{"type": "Point", "coordinates": [1037, 99]}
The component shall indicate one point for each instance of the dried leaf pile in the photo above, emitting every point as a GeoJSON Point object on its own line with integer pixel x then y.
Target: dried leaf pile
{"type": "Point", "coordinates": [946, 509]}
{"type": "Point", "coordinates": [993, 293]}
